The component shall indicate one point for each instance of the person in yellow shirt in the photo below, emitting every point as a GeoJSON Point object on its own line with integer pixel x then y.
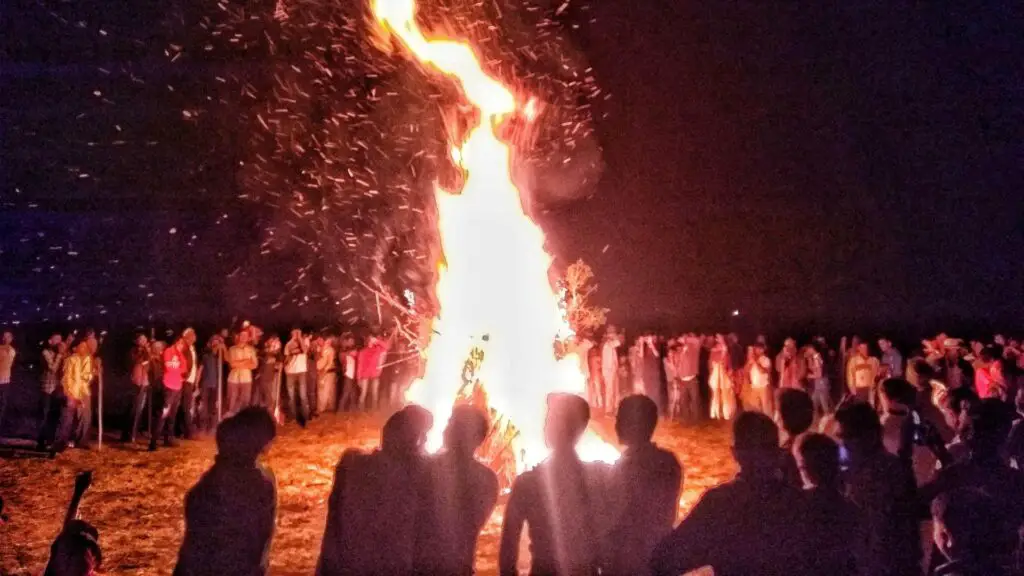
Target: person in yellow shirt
{"type": "Point", "coordinates": [76, 420]}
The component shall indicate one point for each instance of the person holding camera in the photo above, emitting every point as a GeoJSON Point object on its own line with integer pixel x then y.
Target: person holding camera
{"type": "Point", "coordinates": [296, 362]}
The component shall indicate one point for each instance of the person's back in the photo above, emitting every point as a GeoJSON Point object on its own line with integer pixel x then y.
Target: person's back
{"type": "Point", "coordinates": [647, 481]}
{"type": "Point", "coordinates": [229, 521]}
{"type": "Point", "coordinates": [831, 519]}
{"type": "Point", "coordinates": [461, 495]}
{"type": "Point", "coordinates": [230, 512]}
{"type": "Point", "coordinates": [375, 501]}
{"type": "Point", "coordinates": [754, 524]}
{"type": "Point", "coordinates": [743, 527]}
{"type": "Point", "coordinates": [883, 489]}
{"type": "Point", "coordinates": [371, 525]}
{"type": "Point", "coordinates": [560, 500]}
{"type": "Point", "coordinates": [643, 491]}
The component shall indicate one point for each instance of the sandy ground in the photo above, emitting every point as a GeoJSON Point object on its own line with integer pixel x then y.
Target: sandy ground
{"type": "Point", "coordinates": [136, 497]}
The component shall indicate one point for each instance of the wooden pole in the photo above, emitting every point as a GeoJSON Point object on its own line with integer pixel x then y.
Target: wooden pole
{"type": "Point", "coordinates": [220, 382]}
{"type": "Point", "coordinates": [376, 296]}
{"type": "Point", "coordinates": [99, 405]}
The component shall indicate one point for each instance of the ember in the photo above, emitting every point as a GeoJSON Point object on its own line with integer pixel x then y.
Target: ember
{"type": "Point", "coordinates": [496, 301]}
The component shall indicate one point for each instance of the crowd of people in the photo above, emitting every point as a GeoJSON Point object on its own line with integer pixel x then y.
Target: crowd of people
{"type": "Point", "coordinates": [904, 467]}
{"type": "Point", "coordinates": [679, 373]}
{"type": "Point", "coordinates": [183, 390]}
{"type": "Point", "coordinates": [833, 503]}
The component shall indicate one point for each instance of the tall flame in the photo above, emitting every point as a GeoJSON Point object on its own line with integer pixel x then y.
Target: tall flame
{"type": "Point", "coordinates": [493, 285]}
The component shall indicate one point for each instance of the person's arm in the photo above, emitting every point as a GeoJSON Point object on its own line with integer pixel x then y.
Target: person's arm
{"type": "Point", "coordinates": [330, 560]}
{"type": "Point", "coordinates": [250, 359]}
{"type": "Point", "coordinates": [512, 530]}
{"type": "Point", "coordinates": [266, 520]}
{"type": "Point", "coordinates": [685, 548]}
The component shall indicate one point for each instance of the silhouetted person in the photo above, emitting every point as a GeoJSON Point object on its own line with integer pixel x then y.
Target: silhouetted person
{"type": "Point", "coordinates": [462, 494]}
{"type": "Point", "coordinates": [559, 500]}
{"type": "Point", "coordinates": [750, 525]}
{"type": "Point", "coordinates": [374, 503]}
{"type": "Point", "coordinates": [882, 487]}
{"type": "Point", "coordinates": [831, 518]}
{"type": "Point", "coordinates": [230, 512]}
{"type": "Point", "coordinates": [643, 490]}
{"type": "Point", "coordinates": [965, 534]}
{"type": "Point", "coordinates": [796, 414]}
{"type": "Point", "coordinates": [985, 470]}
{"type": "Point", "coordinates": [75, 552]}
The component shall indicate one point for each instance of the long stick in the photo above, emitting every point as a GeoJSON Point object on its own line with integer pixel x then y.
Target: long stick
{"type": "Point", "coordinates": [99, 441]}
{"type": "Point", "coordinates": [220, 382]}
{"type": "Point", "coordinates": [376, 295]}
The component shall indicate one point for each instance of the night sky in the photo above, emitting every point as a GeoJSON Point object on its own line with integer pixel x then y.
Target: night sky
{"type": "Point", "coordinates": [824, 167]}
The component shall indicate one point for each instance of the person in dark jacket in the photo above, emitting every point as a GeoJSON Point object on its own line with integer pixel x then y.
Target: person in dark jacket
{"type": "Point", "coordinates": [230, 512]}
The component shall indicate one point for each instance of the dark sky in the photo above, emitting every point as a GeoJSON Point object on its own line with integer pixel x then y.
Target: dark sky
{"type": "Point", "coordinates": [821, 166]}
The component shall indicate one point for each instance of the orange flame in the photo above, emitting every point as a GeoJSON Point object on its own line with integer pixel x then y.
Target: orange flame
{"type": "Point", "coordinates": [493, 285]}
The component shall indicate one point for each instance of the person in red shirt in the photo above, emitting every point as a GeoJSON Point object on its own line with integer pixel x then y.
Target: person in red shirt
{"type": "Point", "coordinates": [369, 365]}
{"type": "Point", "coordinates": [174, 372]}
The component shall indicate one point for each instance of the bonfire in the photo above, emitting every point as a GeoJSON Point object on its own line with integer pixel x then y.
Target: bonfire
{"type": "Point", "coordinates": [495, 340]}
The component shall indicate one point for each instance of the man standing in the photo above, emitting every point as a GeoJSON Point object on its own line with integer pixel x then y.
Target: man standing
{"type": "Point", "coordinates": [892, 360]}
{"type": "Point", "coordinates": [861, 374]}
{"type": "Point", "coordinates": [242, 361]}
{"type": "Point", "coordinates": [753, 524]}
{"type": "Point", "coordinates": [761, 381]}
{"type": "Point", "coordinates": [53, 358]}
{"type": "Point", "coordinates": [327, 377]}
{"type": "Point", "coordinates": [610, 368]}
{"type": "Point", "coordinates": [790, 366]}
{"type": "Point", "coordinates": [190, 379]}
{"type": "Point", "coordinates": [76, 419]}
{"type": "Point", "coordinates": [368, 370]}
{"type": "Point", "coordinates": [643, 491]}
{"type": "Point", "coordinates": [295, 367]}
{"type": "Point", "coordinates": [559, 499]}
{"type": "Point", "coordinates": [461, 494]}
{"type": "Point", "coordinates": [348, 370]}
{"type": "Point", "coordinates": [7, 353]}
{"type": "Point", "coordinates": [141, 356]}
{"type": "Point", "coordinates": [174, 369]}
{"type": "Point", "coordinates": [817, 379]}
{"type": "Point", "coordinates": [688, 372]}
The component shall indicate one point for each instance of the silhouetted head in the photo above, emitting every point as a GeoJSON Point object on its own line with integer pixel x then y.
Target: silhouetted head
{"type": "Point", "coordinates": [405, 433]}
{"type": "Point", "coordinates": [796, 411]}
{"type": "Point", "coordinates": [817, 456]}
{"type": "Point", "coordinates": [467, 428]}
{"type": "Point", "coordinates": [567, 419]}
{"type": "Point", "coordinates": [963, 525]}
{"type": "Point", "coordinates": [755, 442]}
{"type": "Point", "coordinates": [991, 420]}
{"type": "Point", "coordinates": [860, 430]}
{"type": "Point", "coordinates": [897, 392]}
{"type": "Point", "coordinates": [244, 436]}
{"type": "Point", "coordinates": [636, 419]}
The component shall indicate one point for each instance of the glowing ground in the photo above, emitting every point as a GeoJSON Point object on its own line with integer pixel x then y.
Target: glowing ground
{"type": "Point", "coordinates": [136, 497]}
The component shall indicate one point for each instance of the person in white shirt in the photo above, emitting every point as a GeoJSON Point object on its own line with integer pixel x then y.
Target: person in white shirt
{"type": "Point", "coordinates": [861, 373]}
{"type": "Point", "coordinates": [610, 368]}
{"type": "Point", "coordinates": [295, 369]}
{"type": "Point", "coordinates": [326, 377]}
{"type": "Point", "coordinates": [347, 355]}
{"type": "Point", "coordinates": [760, 368]}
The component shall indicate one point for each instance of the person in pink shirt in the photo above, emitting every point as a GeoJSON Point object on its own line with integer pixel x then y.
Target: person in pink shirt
{"type": "Point", "coordinates": [174, 376]}
{"type": "Point", "coordinates": [369, 365]}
